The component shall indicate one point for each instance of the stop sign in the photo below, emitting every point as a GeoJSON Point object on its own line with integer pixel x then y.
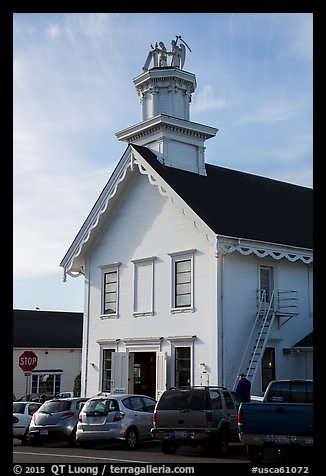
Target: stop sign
{"type": "Point", "coordinates": [28, 361]}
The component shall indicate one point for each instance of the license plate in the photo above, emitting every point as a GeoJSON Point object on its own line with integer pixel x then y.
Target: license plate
{"type": "Point", "coordinates": [43, 432]}
{"type": "Point", "coordinates": [96, 420]}
{"type": "Point", "coordinates": [280, 439]}
{"type": "Point", "coordinates": [180, 434]}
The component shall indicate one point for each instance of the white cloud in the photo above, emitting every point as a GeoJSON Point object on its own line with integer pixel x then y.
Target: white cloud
{"type": "Point", "coordinates": [58, 174]}
{"type": "Point", "coordinates": [207, 99]}
{"type": "Point", "coordinates": [47, 220]}
{"type": "Point", "coordinates": [92, 25]}
{"type": "Point", "coordinates": [53, 30]}
{"type": "Point", "coordinates": [271, 111]}
{"type": "Point", "coordinates": [298, 36]}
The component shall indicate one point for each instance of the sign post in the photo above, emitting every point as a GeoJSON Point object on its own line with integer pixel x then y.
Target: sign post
{"type": "Point", "coordinates": [27, 362]}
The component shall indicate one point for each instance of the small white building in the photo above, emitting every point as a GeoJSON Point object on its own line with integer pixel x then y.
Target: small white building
{"type": "Point", "coordinates": [193, 272]}
{"type": "Point", "coordinates": [55, 337]}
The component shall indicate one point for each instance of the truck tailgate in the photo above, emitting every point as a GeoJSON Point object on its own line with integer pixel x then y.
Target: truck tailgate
{"type": "Point", "coordinates": [181, 419]}
{"type": "Point", "coordinates": [277, 419]}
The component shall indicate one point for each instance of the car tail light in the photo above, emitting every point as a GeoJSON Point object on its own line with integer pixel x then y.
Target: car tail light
{"type": "Point", "coordinates": [66, 415]}
{"type": "Point", "coordinates": [154, 418]}
{"type": "Point", "coordinates": [80, 419]}
{"type": "Point", "coordinates": [209, 417]}
{"type": "Point", "coordinates": [15, 419]}
{"type": "Point", "coordinates": [240, 417]}
{"type": "Point", "coordinates": [119, 416]}
{"type": "Point", "coordinates": [34, 416]}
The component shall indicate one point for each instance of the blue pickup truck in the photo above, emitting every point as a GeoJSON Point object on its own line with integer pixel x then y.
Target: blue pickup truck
{"type": "Point", "coordinates": [284, 418]}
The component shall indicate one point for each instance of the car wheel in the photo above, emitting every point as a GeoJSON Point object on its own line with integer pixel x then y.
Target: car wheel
{"type": "Point", "coordinates": [255, 453]}
{"type": "Point", "coordinates": [84, 444]}
{"type": "Point", "coordinates": [168, 447]}
{"type": "Point", "coordinates": [72, 438]}
{"type": "Point", "coordinates": [222, 443]}
{"type": "Point", "coordinates": [24, 438]}
{"type": "Point", "coordinates": [35, 442]}
{"type": "Point", "coordinates": [131, 439]}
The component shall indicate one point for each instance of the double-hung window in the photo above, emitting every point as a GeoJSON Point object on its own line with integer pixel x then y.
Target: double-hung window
{"type": "Point", "coordinates": [266, 282]}
{"type": "Point", "coordinates": [106, 369]}
{"type": "Point", "coordinates": [182, 354]}
{"type": "Point", "coordinates": [182, 295]}
{"type": "Point", "coordinates": [144, 287]}
{"type": "Point", "coordinates": [182, 366]}
{"type": "Point", "coordinates": [110, 291]}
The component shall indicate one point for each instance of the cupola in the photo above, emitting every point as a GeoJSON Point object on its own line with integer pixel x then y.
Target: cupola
{"type": "Point", "coordinates": [165, 93]}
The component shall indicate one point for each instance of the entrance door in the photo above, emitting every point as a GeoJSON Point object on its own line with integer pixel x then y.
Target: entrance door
{"type": "Point", "coordinates": [119, 372]}
{"type": "Point", "coordinates": [139, 372]}
{"type": "Point", "coordinates": [144, 372]}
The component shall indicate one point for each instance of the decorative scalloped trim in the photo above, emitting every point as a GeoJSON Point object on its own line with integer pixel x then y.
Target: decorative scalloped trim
{"type": "Point", "coordinates": [153, 181]}
{"type": "Point", "coordinates": [262, 253]}
{"type": "Point", "coordinates": [112, 191]}
{"type": "Point", "coordinates": [186, 212]}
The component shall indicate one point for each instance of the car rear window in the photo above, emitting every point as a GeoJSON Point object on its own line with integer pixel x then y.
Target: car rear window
{"type": "Point", "coordinates": [18, 407]}
{"type": "Point", "coordinates": [292, 391]}
{"type": "Point", "coordinates": [181, 399]}
{"type": "Point", "coordinates": [56, 406]}
{"type": "Point", "coordinates": [100, 406]}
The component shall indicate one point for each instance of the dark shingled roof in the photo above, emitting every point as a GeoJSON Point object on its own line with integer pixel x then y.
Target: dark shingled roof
{"type": "Point", "coordinates": [243, 205]}
{"type": "Point", "coordinates": [52, 329]}
{"type": "Point", "coordinates": [305, 342]}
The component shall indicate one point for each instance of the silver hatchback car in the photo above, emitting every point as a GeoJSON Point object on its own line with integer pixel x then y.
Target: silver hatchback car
{"type": "Point", "coordinates": [126, 417]}
{"type": "Point", "coordinates": [56, 420]}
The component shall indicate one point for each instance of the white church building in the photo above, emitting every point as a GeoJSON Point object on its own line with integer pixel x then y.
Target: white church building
{"type": "Point", "coordinates": [193, 272]}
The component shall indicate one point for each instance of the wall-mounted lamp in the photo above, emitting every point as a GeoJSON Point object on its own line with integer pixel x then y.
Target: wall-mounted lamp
{"type": "Point", "coordinates": [91, 364]}
{"type": "Point", "coordinates": [286, 351]}
{"type": "Point", "coordinates": [202, 365]}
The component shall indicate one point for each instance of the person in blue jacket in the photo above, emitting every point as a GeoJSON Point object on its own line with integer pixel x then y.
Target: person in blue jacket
{"type": "Point", "coordinates": [243, 388]}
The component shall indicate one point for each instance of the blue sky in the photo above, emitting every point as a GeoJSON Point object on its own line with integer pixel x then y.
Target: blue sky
{"type": "Point", "coordinates": [73, 90]}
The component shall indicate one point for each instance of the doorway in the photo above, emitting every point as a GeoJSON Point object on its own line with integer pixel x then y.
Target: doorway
{"type": "Point", "coordinates": [144, 373]}
{"type": "Point", "coordinates": [268, 367]}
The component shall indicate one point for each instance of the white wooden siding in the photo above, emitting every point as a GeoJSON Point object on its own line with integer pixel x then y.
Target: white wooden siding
{"type": "Point", "coordinates": [241, 280]}
{"type": "Point", "coordinates": [145, 224]}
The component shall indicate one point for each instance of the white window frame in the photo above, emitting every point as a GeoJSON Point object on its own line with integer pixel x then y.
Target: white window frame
{"type": "Point", "coordinates": [105, 344]}
{"type": "Point", "coordinates": [175, 257]}
{"type": "Point", "coordinates": [140, 262]}
{"type": "Point", "coordinates": [271, 269]}
{"type": "Point", "coordinates": [40, 373]}
{"type": "Point", "coordinates": [109, 268]}
{"type": "Point", "coordinates": [182, 341]}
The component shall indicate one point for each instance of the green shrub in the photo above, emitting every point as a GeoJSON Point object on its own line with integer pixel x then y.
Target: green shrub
{"type": "Point", "coordinates": [77, 384]}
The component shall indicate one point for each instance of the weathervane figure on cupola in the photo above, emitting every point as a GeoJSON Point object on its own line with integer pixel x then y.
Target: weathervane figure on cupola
{"type": "Point", "coordinates": [159, 54]}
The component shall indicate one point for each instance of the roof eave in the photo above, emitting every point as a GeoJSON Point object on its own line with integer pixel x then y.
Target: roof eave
{"type": "Point", "coordinates": [69, 263]}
